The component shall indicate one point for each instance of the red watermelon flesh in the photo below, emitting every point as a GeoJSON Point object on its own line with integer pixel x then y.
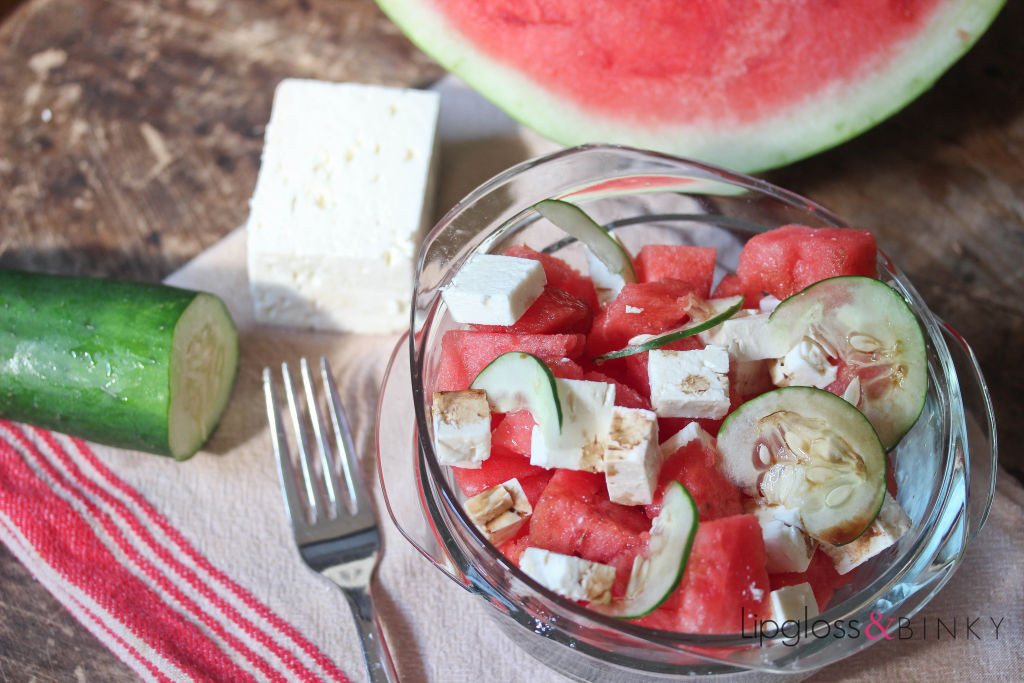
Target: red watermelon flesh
{"type": "Point", "coordinates": [786, 260]}
{"type": "Point", "coordinates": [513, 432]}
{"type": "Point", "coordinates": [555, 311]}
{"type": "Point", "coordinates": [501, 466]}
{"type": "Point", "coordinates": [694, 266]}
{"type": "Point", "coordinates": [575, 517]}
{"type": "Point", "coordinates": [640, 308]}
{"type": "Point", "coordinates": [514, 547]}
{"type": "Point", "coordinates": [465, 353]}
{"type": "Point", "coordinates": [822, 576]}
{"type": "Point", "coordinates": [725, 583]}
{"type": "Point", "coordinates": [560, 274]}
{"type": "Point", "coordinates": [625, 395]}
{"type": "Point", "coordinates": [695, 466]}
{"type": "Point", "coordinates": [732, 285]}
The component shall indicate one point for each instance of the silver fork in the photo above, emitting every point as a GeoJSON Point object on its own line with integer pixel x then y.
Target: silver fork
{"type": "Point", "coordinates": [337, 535]}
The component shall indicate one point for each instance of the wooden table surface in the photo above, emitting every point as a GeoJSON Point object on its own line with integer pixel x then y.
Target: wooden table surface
{"type": "Point", "coordinates": [130, 136]}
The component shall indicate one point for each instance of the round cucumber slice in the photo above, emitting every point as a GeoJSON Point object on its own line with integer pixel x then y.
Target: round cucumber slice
{"type": "Point", "coordinates": [657, 574]}
{"type": "Point", "coordinates": [869, 328]}
{"type": "Point", "coordinates": [575, 221]}
{"type": "Point", "coordinates": [809, 450]}
{"type": "Point", "coordinates": [678, 333]}
{"type": "Point", "coordinates": [521, 381]}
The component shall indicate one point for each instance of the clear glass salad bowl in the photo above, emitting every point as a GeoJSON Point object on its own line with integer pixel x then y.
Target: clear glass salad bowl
{"type": "Point", "coordinates": [945, 467]}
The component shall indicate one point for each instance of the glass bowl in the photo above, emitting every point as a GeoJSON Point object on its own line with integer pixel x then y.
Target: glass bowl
{"type": "Point", "coordinates": [945, 467]}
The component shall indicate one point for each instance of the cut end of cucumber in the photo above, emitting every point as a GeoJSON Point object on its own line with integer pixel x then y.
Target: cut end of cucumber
{"type": "Point", "coordinates": [517, 381]}
{"type": "Point", "coordinates": [204, 361]}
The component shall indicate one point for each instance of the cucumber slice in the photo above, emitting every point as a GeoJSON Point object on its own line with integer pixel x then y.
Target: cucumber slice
{"type": "Point", "coordinates": [867, 326]}
{"type": "Point", "coordinates": [809, 450]}
{"type": "Point", "coordinates": [131, 365]}
{"type": "Point", "coordinates": [521, 381]}
{"type": "Point", "coordinates": [657, 574]}
{"type": "Point", "coordinates": [575, 221]}
{"type": "Point", "coordinates": [664, 338]}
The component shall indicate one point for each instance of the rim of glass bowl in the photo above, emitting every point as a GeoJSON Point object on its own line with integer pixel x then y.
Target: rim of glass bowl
{"type": "Point", "coordinates": [940, 368]}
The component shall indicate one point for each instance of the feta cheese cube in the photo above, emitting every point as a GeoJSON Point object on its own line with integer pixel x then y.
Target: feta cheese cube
{"type": "Point", "coordinates": [631, 456]}
{"type": "Point", "coordinates": [344, 191]}
{"type": "Point", "coordinates": [805, 365]}
{"type": "Point", "coordinates": [606, 283]}
{"type": "Point", "coordinates": [793, 603]}
{"type": "Point", "coordinates": [691, 432]}
{"type": "Point", "coordinates": [892, 522]}
{"type": "Point", "coordinates": [586, 417]}
{"type": "Point", "coordinates": [573, 577]}
{"type": "Point", "coordinates": [787, 547]}
{"type": "Point", "coordinates": [745, 337]}
{"type": "Point", "coordinates": [462, 427]}
{"type": "Point", "coordinates": [499, 512]}
{"type": "Point", "coordinates": [689, 383]}
{"type": "Point", "coordinates": [492, 289]}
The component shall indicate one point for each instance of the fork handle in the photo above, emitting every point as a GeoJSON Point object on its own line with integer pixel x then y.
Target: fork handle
{"type": "Point", "coordinates": [379, 664]}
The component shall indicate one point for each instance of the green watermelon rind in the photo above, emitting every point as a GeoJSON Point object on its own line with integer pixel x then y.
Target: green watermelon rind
{"type": "Point", "coordinates": [823, 120]}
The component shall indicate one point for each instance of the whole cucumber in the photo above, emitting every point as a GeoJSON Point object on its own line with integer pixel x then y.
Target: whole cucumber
{"type": "Point", "coordinates": [139, 366]}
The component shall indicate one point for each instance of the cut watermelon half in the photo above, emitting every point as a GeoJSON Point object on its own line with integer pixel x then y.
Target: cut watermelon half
{"type": "Point", "coordinates": [744, 85]}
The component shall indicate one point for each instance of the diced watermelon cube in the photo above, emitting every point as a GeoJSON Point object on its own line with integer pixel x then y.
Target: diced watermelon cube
{"type": "Point", "coordinates": [560, 274]}
{"type": "Point", "coordinates": [555, 311]}
{"type": "Point", "coordinates": [514, 547]}
{"type": "Point", "coordinates": [513, 432]}
{"type": "Point", "coordinates": [785, 260]}
{"type": "Point", "coordinates": [694, 266]}
{"type": "Point", "coordinates": [821, 574]}
{"type": "Point", "coordinates": [640, 308]}
{"type": "Point", "coordinates": [725, 583]}
{"type": "Point", "coordinates": [732, 285]}
{"type": "Point", "coordinates": [563, 368]}
{"type": "Point", "coordinates": [625, 395]}
{"type": "Point", "coordinates": [501, 466]}
{"type": "Point", "coordinates": [464, 353]}
{"type": "Point", "coordinates": [575, 517]}
{"type": "Point", "coordinates": [696, 466]}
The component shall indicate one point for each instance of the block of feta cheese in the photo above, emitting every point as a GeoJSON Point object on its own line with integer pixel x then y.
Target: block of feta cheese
{"type": "Point", "coordinates": [632, 459]}
{"type": "Point", "coordinates": [344, 191]}
{"type": "Point", "coordinates": [492, 289]}
{"type": "Point", "coordinates": [805, 365]}
{"type": "Point", "coordinates": [793, 603]}
{"type": "Point", "coordinates": [586, 417]}
{"type": "Point", "coordinates": [787, 547]}
{"type": "Point", "coordinates": [745, 338]}
{"type": "Point", "coordinates": [691, 432]}
{"type": "Point", "coordinates": [573, 577]}
{"type": "Point", "coordinates": [462, 427]}
{"type": "Point", "coordinates": [499, 512]}
{"type": "Point", "coordinates": [692, 383]}
{"type": "Point", "coordinates": [892, 522]}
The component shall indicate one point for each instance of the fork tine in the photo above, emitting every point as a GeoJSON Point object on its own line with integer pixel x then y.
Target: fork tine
{"type": "Point", "coordinates": [328, 476]}
{"type": "Point", "coordinates": [285, 466]}
{"type": "Point", "coordinates": [313, 497]}
{"type": "Point", "coordinates": [354, 482]}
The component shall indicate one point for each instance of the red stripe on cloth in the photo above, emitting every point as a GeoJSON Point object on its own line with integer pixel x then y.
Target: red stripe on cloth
{"type": "Point", "coordinates": [285, 628]}
{"type": "Point", "coordinates": [156, 573]}
{"type": "Point", "coordinates": [66, 542]}
{"type": "Point", "coordinates": [89, 618]}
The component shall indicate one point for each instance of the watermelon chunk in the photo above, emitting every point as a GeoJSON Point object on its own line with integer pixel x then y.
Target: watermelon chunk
{"type": "Point", "coordinates": [625, 395]}
{"type": "Point", "coordinates": [694, 266]}
{"type": "Point", "coordinates": [560, 274]}
{"type": "Point", "coordinates": [695, 466]}
{"type": "Point", "coordinates": [554, 311]}
{"type": "Point", "coordinates": [513, 432]}
{"type": "Point", "coordinates": [785, 260]}
{"type": "Point", "coordinates": [725, 584]}
{"type": "Point", "coordinates": [500, 467]}
{"type": "Point", "coordinates": [464, 353]}
{"type": "Point", "coordinates": [575, 517]}
{"type": "Point", "coordinates": [640, 308]}
{"type": "Point", "coordinates": [748, 86]}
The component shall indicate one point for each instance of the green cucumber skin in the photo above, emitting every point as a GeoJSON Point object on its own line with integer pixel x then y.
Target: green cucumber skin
{"type": "Point", "coordinates": [89, 357]}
